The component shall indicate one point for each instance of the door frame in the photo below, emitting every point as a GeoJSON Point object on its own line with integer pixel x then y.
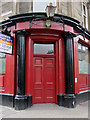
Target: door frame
{"type": "Point", "coordinates": [56, 65]}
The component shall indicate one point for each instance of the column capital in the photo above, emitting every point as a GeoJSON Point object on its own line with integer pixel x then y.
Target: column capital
{"type": "Point", "coordinates": [23, 32]}
{"type": "Point", "coordinates": [69, 35]}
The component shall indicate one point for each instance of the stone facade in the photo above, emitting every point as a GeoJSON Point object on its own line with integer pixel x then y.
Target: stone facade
{"type": "Point", "coordinates": [72, 9]}
{"type": "Point", "coordinates": [88, 15]}
{"type": "Point", "coordinates": [12, 8]}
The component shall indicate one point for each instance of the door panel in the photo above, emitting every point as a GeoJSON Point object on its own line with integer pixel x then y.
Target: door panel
{"type": "Point", "coordinates": [44, 80]}
{"type": "Point", "coordinates": [38, 81]}
{"type": "Point", "coordinates": [49, 71]}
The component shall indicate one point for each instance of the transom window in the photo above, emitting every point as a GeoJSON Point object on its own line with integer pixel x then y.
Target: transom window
{"type": "Point", "coordinates": [43, 48]}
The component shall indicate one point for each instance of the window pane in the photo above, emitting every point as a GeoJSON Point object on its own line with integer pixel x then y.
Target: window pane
{"type": "Point", "coordinates": [43, 48]}
{"type": "Point", "coordinates": [79, 46]}
{"type": "Point", "coordinates": [84, 59]}
{"type": "Point", "coordinates": [84, 21]}
{"type": "Point", "coordinates": [84, 9]}
{"type": "Point", "coordinates": [2, 63]}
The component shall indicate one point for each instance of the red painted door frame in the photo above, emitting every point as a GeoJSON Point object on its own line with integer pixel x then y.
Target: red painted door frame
{"type": "Point", "coordinates": [56, 64]}
{"type": "Point", "coordinates": [56, 38]}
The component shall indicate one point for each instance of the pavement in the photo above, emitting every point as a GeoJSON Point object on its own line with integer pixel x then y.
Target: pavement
{"type": "Point", "coordinates": [47, 110]}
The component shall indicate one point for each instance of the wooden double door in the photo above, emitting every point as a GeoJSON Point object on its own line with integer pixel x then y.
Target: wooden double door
{"type": "Point", "coordinates": [44, 80]}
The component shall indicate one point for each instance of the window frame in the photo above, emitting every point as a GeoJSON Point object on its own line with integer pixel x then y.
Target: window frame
{"type": "Point", "coordinates": [83, 43]}
{"type": "Point", "coordinates": [84, 15]}
{"type": "Point", "coordinates": [45, 44]}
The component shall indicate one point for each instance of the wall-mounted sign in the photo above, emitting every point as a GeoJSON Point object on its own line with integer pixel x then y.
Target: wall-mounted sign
{"type": "Point", "coordinates": [6, 44]}
{"type": "Point", "coordinates": [48, 24]}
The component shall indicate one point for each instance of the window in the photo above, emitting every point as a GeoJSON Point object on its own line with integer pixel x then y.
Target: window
{"type": "Point", "coordinates": [43, 48]}
{"type": "Point", "coordinates": [84, 59]}
{"type": "Point", "coordinates": [2, 63]}
{"type": "Point", "coordinates": [84, 15]}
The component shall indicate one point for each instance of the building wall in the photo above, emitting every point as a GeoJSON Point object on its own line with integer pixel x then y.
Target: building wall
{"type": "Point", "coordinates": [88, 15]}
{"type": "Point", "coordinates": [72, 9]}
{"type": "Point", "coordinates": [10, 83]}
{"type": "Point", "coordinates": [12, 8]}
{"type": "Point", "coordinates": [27, 7]}
{"type": "Point", "coordinates": [77, 11]}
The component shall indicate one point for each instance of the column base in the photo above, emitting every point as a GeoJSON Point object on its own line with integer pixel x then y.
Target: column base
{"type": "Point", "coordinates": [29, 97]}
{"type": "Point", "coordinates": [7, 100]}
{"type": "Point", "coordinates": [71, 100]}
{"type": "Point", "coordinates": [20, 102]}
{"type": "Point", "coordinates": [68, 100]}
{"type": "Point", "coordinates": [60, 100]}
{"type": "Point", "coordinates": [23, 101]}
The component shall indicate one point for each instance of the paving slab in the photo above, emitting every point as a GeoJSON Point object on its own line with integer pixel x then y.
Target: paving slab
{"type": "Point", "coordinates": [46, 111]}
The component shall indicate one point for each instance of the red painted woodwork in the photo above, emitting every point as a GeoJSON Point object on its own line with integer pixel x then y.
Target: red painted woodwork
{"type": "Point", "coordinates": [84, 43]}
{"type": "Point", "coordinates": [49, 78]}
{"type": "Point", "coordinates": [54, 26]}
{"type": "Point", "coordinates": [54, 38]}
{"type": "Point", "coordinates": [29, 56]}
{"type": "Point", "coordinates": [22, 25]}
{"type": "Point", "coordinates": [68, 28]}
{"type": "Point", "coordinates": [61, 64]}
{"type": "Point", "coordinates": [44, 55]}
{"type": "Point", "coordinates": [29, 67]}
{"type": "Point", "coordinates": [2, 77]}
{"type": "Point", "coordinates": [84, 82]}
{"type": "Point", "coordinates": [41, 25]}
{"type": "Point", "coordinates": [44, 31]}
{"type": "Point", "coordinates": [8, 79]}
{"type": "Point", "coordinates": [44, 80]}
{"type": "Point", "coordinates": [38, 33]}
{"type": "Point", "coordinates": [76, 65]}
{"type": "Point", "coordinates": [57, 69]}
{"type": "Point", "coordinates": [38, 80]}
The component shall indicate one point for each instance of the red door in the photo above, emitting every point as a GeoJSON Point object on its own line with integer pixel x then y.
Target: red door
{"type": "Point", "coordinates": [44, 80]}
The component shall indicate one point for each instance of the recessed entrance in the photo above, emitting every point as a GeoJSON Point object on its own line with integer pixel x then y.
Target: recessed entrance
{"type": "Point", "coordinates": [44, 73]}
